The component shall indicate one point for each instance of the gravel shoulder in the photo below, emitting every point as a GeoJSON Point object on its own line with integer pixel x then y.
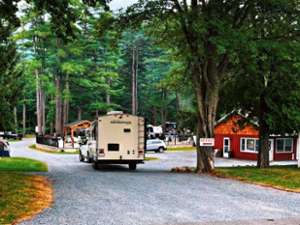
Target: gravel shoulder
{"type": "Point", "coordinates": [153, 195]}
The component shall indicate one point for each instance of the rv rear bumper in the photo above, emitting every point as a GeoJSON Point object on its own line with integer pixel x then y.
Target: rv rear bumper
{"type": "Point", "coordinates": [114, 161]}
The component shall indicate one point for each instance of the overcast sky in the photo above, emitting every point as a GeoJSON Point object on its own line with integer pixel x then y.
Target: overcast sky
{"type": "Point", "coordinates": [115, 5]}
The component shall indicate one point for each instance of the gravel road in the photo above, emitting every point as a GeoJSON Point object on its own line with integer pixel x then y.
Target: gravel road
{"type": "Point", "coordinates": [153, 195]}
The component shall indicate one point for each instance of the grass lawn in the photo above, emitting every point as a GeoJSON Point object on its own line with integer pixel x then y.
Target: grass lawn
{"type": "Point", "coordinates": [54, 151]}
{"type": "Point", "coordinates": [151, 158]}
{"type": "Point", "coordinates": [22, 195]}
{"type": "Point", "coordinates": [280, 177]}
{"type": "Point", "coordinates": [185, 148]}
{"type": "Point", "coordinates": [29, 136]}
{"type": "Point", "coordinates": [22, 164]}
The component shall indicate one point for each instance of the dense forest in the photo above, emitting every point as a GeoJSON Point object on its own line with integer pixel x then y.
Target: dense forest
{"type": "Point", "coordinates": [63, 81]}
{"type": "Point", "coordinates": [167, 60]}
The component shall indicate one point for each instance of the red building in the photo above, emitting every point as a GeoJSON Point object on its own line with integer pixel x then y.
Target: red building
{"type": "Point", "coordinates": [241, 139]}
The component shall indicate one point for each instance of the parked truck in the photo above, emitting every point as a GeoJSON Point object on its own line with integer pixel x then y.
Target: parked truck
{"type": "Point", "coordinates": [116, 138]}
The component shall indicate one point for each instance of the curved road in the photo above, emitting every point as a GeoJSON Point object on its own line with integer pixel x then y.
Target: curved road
{"type": "Point", "coordinates": [153, 195]}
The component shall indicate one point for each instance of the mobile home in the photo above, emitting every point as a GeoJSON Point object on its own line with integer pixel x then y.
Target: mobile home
{"type": "Point", "coordinates": [117, 138]}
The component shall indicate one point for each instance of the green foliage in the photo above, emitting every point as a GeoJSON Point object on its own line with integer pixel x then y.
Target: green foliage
{"type": "Point", "coordinates": [10, 72]}
{"type": "Point", "coordinates": [10, 83]}
{"type": "Point", "coordinates": [267, 68]}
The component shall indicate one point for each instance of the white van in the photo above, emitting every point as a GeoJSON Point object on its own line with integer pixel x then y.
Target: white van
{"type": "Point", "coordinates": [117, 138]}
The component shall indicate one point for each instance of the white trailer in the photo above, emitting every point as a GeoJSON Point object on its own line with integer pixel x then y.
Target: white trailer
{"type": "Point", "coordinates": [117, 138]}
{"type": "Point", "coordinates": [154, 131]}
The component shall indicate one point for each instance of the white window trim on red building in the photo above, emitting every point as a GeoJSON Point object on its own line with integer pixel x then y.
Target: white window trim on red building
{"type": "Point", "coordinates": [246, 149]}
{"type": "Point", "coordinates": [284, 151]}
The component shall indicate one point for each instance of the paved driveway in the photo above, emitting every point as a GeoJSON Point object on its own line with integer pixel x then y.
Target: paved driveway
{"type": "Point", "coordinates": [153, 195]}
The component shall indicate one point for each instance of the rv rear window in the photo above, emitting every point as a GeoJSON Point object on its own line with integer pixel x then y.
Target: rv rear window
{"type": "Point", "coordinates": [127, 130]}
{"type": "Point", "coordinates": [113, 147]}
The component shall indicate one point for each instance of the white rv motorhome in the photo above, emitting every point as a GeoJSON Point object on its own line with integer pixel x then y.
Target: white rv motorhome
{"type": "Point", "coordinates": [117, 138]}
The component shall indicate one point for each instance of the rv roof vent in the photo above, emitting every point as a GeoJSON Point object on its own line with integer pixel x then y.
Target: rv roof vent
{"type": "Point", "coordinates": [114, 113]}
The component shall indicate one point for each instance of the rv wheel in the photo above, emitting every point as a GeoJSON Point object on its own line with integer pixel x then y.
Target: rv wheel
{"type": "Point", "coordinates": [132, 166]}
{"type": "Point", "coordinates": [95, 165]}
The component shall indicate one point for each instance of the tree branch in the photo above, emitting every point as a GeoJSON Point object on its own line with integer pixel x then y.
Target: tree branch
{"type": "Point", "coordinates": [242, 13]}
{"type": "Point", "coordinates": [186, 8]}
{"type": "Point", "coordinates": [194, 4]}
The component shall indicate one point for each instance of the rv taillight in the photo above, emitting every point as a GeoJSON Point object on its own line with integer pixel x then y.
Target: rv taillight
{"type": "Point", "coordinates": [141, 152]}
{"type": "Point", "coordinates": [101, 152]}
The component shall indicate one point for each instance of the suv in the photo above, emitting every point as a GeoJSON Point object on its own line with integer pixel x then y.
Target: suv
{"type": "Point", "coordinates": [4, 148]}
{"type": "Point", "coordinates": [156, 145]}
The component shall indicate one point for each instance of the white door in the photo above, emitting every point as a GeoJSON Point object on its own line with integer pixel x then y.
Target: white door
{"type": "Point", "coordinates": [271, 149]}
{"type": "Point", "coordinates": [226, 147]}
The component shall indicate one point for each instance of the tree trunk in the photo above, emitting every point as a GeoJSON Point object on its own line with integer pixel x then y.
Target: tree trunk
{"type": "Point", "coordinates": [163, 110]}
{"type": "Point", "coordinates": [59, 104]}
{"type": "Point", "coordinates": [163, 119]}
{"type": "Point", "coordinates": [134, 80]}
{"type": "Point", "coordinates": [79, 114]}
{"type": "Point", "coordinates": [51, 128]}
{"type": "Point", "coordinates": [40, 105]}
{"type": "Point", "coordinates": [263, 160]}
{"type": "Point", "coordinates": [15, 119]}
{"type": "Point", "coordinates": [58, 107]}
{"type": "Point", "coordinates": [24, 119]}
{"type": "Point", "coordinates": [39, 116]}
{"type": "Point", "coordinates": [66, 102]}
{"type": "Point", "coordinates": [177, 107]}
{"type": "Point", "coordinates": [154, 118]}
{"type": "Point", "coordinates": [52, 120]}
{"type": "Point", "coordinates": [206, 85]}
{"type": "Point", "coordinates": [43, 111]}
{"type": "Point", "coordinates": [108, 97]}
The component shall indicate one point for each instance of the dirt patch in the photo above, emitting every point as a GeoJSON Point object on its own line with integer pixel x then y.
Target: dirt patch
{"type": "Point", "coordinates": [184, 169]}
{"type": "Point", "coordinates": [41, 199]}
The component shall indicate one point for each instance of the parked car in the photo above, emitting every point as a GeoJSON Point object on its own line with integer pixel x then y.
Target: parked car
{"type": "Point", "coordinates": [4, 149]}
{"type": "Point", "coordinates": [156, 145]}
{"type": "Point", "coordinates": [11, 135]}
